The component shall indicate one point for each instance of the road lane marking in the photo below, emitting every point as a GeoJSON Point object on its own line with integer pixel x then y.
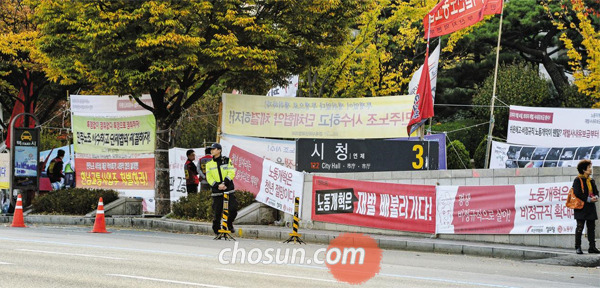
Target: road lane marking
{"type": "Point", "coordinates": [278, 275]}
{"type": "Point", "coordinates": [165, 280]}
{"type": "Point", "coordinates": [71, 254]}
{"type": "Point", "coordinates": [445, 280]}
{"type": "Point", "coordinates": [108, 247]}
{"type": "Point", "coordinates": [5, 263]}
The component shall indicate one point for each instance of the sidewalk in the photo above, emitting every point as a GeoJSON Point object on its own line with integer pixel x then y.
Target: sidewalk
{"type": "Point", "coordinates": [542, 255]}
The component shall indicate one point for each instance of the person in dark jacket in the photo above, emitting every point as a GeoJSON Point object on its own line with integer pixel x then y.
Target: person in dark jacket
{"type": "Point", "coordinates": [191, 173]}
{"type": "Point", "coordinates": [219, 175]}
{"type": "Point", "coordinates": [55, 170]}
{"type": "Point", "coordinates": [584, 188]}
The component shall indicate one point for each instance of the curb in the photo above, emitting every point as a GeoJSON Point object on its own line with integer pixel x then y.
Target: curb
{"type": "Point", "coordinates": [562, 256]}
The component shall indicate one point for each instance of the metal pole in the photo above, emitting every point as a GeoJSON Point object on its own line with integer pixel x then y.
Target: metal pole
{"type": "Point", "coordinates": [489, 138]}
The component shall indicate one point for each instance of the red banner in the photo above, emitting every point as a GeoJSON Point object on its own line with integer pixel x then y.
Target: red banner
{"type": "Point", "coordinates": [375, 205]}
{"type": "Point", "coordinates": [500, 200]}
{"type": "Point", "coordinates": [248, 170]}
{"type": "Point", "coordinates": [452, 15]}
{"type": "Point", "coordinates": [131, 174]}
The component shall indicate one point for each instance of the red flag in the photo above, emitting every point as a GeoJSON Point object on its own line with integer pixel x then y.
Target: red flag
{"type": "Point", "coordinates": [20, 108]}
{"type": "Point", "coordinates": [423, 106]}
{"type": "Point", "coordinates": [450, 16]}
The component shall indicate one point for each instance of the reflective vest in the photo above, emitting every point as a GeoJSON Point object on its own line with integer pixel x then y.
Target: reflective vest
{"type": "Point", "coordinates": [212, 171]}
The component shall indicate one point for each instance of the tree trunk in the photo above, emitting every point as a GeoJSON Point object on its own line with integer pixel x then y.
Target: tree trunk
{"type": "Point", "coordinates": [162, 191]}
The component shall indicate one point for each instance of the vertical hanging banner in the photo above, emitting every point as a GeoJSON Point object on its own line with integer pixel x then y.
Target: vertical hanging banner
{"type": "Point", "coordinates": [375, 205]}
{"type": "Point", "coordinates": [114, 145]}
{"type": "Point", "coordinates": [271, 183]}
{"type": "Point", "coordinates": [512, 209]}
{"type": "Point", "coordinates": [4, 171]}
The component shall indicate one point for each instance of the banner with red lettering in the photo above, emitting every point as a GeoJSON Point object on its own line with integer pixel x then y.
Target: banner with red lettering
{"type": "Point", "coordinates": [271, 183]}
{"type": "Point", "coordinates": [512, 209]}
{"type": "Point", "coordinates": [131, 173]}
{"type": "Point", "coordinates": [562, 127]}
{"type": "Point", "coordinates": [451, 15]}
{"type": "Point", "coordinates": [375, 205]}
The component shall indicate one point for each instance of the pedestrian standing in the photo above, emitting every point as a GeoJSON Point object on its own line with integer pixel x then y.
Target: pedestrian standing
{"type": "Point", "coordinates": [191, 173]}
{"type": "Point", "coordinates": [55, 170]}
{"type": "Point", "coordinates": [202, 165]}
{"type": "Point", "coordinates": [219, 175]}
{"type": "Point", "coordinates": [584, 188]}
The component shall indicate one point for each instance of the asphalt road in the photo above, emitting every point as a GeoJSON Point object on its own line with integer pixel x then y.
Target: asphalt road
{"type": "Point", "coordinates": [47, 256]}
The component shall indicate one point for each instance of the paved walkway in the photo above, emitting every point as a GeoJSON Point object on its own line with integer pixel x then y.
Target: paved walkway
{"type": "Point", "coordinates": [544, 255]}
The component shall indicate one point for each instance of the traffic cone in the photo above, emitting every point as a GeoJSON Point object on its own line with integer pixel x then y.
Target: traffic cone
{"type": "Point", "coordinates": [100, 224]}
{"type": "Point", "coordinates": [18, 220]}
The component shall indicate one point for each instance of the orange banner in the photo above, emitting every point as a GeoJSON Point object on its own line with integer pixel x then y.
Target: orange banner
{"type": "Point", "coordinates": [131, 174]}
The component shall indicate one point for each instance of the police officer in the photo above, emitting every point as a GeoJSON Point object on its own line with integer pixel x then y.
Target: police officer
{"type": "Point", "coordinates": [219, 175]}
{"type": "Point", "coordinates": [191, 173]}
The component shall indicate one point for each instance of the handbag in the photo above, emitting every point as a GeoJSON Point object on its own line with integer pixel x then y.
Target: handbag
{"type": "Point", "coordinates": [572, 201]}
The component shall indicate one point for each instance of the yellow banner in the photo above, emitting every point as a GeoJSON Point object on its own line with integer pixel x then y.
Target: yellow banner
{"type": "Point", "coordinates": [4, 170]}
{"type": "Point", "coordinates": [339, 118]}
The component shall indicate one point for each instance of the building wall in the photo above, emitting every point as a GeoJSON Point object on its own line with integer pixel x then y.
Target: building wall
{"type": "Point", "coordinates": [473, 177]}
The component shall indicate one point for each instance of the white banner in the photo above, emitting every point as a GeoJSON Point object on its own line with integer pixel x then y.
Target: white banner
{"type": "Point", "coordinates": [281, 152]}
{"type": "Point", "coordinates": [433, 62]}
{"type": "Point", "coordinates": [564, 127]}
{"type": "Point", "coordinates": [279, 186]}
{"type": "Point", "coordinates": [518, 156]}
{"type": "Point", "coordinates": [288, 91]}
{"type": "Point", "coordinates": [541, 209]}
{"type": "Point", "coordinates": [271, 183]}
{"type": "Point", "coordinates": [509, 209]}
{"type": "Point", "coordinates": [108, 104]}
{"type": "Point", "coordinates": [4, 173]}
{"type": "Point", "coordinates": [177, 158]}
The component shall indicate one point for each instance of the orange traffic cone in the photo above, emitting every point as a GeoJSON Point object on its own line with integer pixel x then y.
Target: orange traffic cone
{"type": "Point", "coordinates": [100, 224]}
{"type": "Point", "coordinates": [18, 220]}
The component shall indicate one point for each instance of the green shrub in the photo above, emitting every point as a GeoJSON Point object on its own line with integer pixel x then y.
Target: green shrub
{"type": "Point", "coordinates": [479, 156]}
{"type": "Point", "coordinates": [199, 206]}
{"type": "Point", "coordinates": [73, 201]}
{"type": "Point", "coordinates": [457, 155]}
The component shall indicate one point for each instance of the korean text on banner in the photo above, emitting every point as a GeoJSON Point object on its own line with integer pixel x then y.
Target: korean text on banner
{"type": "Point", "coordinates": [109, 104]}
{"type": "Point", "coordinates": [131, 174]}
{"type": "Point", "coordinates": [286, 117]}
{"type": "Point", "coordinates": [99, 135]}
{"type": "Point", "coordinates": [271, 183]}
{"type": "Point", "coordinates": [450, 16]}
{"type": "Point", "coordinates": [514, 209]}
{"type": "Point", "coordinates": [566, 127]}
{"type": "Point", "coordinates": [177, 158]}
{"type": "Point", "coordinates": [282, 152]}
{"type": "Point", "coordinates": [519, 156]}
{"type": "Point", "coordinates": [4, 170]}
{"type": "Point", "coordinates": [376, 205]}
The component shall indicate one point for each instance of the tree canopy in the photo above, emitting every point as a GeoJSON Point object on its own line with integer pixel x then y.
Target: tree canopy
{"type": "Point", "coordinates": [177, 50]}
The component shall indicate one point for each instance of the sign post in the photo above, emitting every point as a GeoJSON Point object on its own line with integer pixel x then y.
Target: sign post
{"type": "Point", "coordinates": [25, 157]}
